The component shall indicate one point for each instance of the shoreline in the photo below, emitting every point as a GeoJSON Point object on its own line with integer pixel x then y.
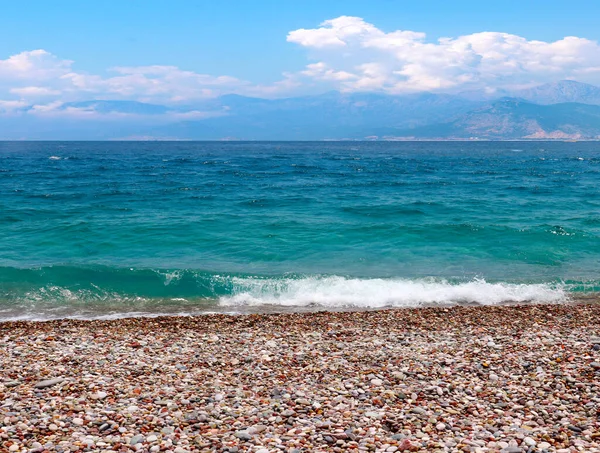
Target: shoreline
{"type": "Point", "coordinates": [266, 310]}
{"type": "Point", "coordinates": [191, 309]}
{"type": "Point", "coordinates": [489, 379]}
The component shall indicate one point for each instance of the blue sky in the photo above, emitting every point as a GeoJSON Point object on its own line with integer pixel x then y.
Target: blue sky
{"type": "Point", "coordinates": [248, 47]}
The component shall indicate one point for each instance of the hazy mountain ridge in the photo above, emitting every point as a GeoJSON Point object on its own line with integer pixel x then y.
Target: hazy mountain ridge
{"type": "Point", "coordinates": [562, 110]}
{"type": "Point", "coordinates": [513, 119]}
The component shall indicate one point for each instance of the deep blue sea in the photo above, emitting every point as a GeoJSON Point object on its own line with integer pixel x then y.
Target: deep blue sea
{"type": "Point", "coordinates": [122, 228]}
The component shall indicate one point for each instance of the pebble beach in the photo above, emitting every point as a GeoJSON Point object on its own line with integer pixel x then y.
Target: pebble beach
{"type": "Point", "coordinates": [473, 379]}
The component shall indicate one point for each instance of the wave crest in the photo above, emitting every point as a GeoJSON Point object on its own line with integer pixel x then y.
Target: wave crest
{"type": "Point", "coordinates": [337, 292]}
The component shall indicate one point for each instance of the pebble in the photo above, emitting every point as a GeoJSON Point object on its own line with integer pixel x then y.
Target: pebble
{"type": "Point", "coordinates": [244, 435]}
{"type": "Point", "coordinates": [48, 383]}
{"type": "Point", "coordinates": [480, 379]}
{"type": "Point", "coordinates": [137, 439]}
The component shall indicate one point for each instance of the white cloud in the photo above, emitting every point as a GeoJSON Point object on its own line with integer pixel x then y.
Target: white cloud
{"type": "Point", "coordinates": [39, 74]}
{"type": "Point", "coordinates": [167, 84]}
{"type": "Point", "coordinates": [11, 106]}
{"type": "Point", "coordinates": [324, 72]}
{"type": "Point", "coordinates": [367, 58]}
{"type": "Point", "coordinates": [333, 33]}
{"type": "Point", "coordinates": [33, 65]}
{"type": "Point", "coordinates": [34, 91]}
{"type": "Point", "coordinates": [346, 53]}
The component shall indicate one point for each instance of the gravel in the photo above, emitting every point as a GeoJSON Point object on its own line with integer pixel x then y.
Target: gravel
{"type": "Point", "coordinates": [475, 379]}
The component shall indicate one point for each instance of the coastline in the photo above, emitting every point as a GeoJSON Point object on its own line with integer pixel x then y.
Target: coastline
{"type": "Point", "coordinates": [502, 378]}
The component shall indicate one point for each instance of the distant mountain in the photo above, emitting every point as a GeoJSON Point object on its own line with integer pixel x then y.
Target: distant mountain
{"type": "Point", "coordinates": [516, 119]}
{"type": "Point", "coordinates": [561, 92]}
{"type": "Point", "coordinates": [564, 109]}
{"type": "Point", "coordinates": [125, 107]}
{"type": "Point", "coordinates": [330, 115]}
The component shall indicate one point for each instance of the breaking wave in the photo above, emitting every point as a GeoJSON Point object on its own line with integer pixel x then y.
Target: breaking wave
{"type": "Point", "coordinates": [378, 293]}
{"type": "Point", "coordinates": [61, 292]}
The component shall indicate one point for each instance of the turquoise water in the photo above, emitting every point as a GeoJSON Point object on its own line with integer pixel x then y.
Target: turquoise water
{"type": "Point", "coordinates": [108, 229]}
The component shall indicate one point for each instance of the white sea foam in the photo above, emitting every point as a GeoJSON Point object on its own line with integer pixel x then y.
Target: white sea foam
{"type": "Point", "coordinates": [257, 295]}
{"type": "Point", "coordinates": [338, 292]}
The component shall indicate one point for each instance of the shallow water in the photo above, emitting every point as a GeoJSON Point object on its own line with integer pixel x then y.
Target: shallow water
{"type": "Point", "coordinates": [95, 229]}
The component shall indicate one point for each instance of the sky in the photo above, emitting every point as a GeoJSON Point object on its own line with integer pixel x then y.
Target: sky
{"type": "Point", "coordinates": [180, 52]}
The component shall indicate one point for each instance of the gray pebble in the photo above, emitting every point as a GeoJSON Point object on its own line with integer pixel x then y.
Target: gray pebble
{"type": "Point", "coordinates": [48, 383]}
{"type": "Point", "coordinates": [136, 439]}
{"type": "Point", "coordinates": [243, 435]}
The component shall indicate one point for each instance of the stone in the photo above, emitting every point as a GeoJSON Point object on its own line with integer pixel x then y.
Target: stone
{"type": "Point", "coordinates": [48, 383]}
{"type": "Point", "coordinates": [595, 365]}
{"type": "Point", "coordinates": [376, 382]}
{"type": "Point", "coordinates": [138, 439]}
{"type": "Point", "coordinates": [78, 421]}
{"type": "Point", "coordinates": [405, 445]}
{"type": "Point", "coordinates": [529, 441]}
{"type": "Point", "coordinates": [99, 395]}
{"type": "Point", "coordinates": [151, 438]}
{"type": "Point", "coordinates": [243, 435]}
{"type": "Point", "coordinates": [257, 429]}
{"type": "Point", "coordinates": [10, 384]}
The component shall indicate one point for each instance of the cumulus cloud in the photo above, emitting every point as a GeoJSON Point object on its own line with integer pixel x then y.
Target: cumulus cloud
{"type": "Point", "coordinates": [361, 57]}
{"type": "Point", "coordinates": [345, 53]}
{"type": "Point", "coordinates": [33, 65]}
{"type": "Point", "coordinates": [12, 106]}
{"type": "Point", "coordinates": [34, 91]}
{"type": "Point", "coordinates": [38, 74]}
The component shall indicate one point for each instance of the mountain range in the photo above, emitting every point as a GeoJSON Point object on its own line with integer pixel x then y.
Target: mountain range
{"type": "Point", "coordinates": [561, 110]}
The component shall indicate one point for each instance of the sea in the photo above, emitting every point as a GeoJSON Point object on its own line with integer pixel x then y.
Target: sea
{"type": "Point", "coordinates": [116, 229]}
